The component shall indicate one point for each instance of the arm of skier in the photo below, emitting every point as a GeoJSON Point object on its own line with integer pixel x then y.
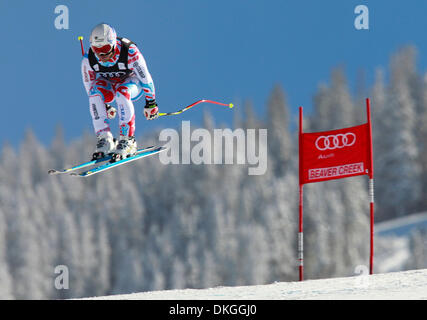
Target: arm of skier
{"type": "Point", "coordinates": [137, 64]}
{"type": "Point", "coordinates": [88, 75]}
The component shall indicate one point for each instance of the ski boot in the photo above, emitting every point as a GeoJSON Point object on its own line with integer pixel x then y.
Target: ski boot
{"type": "Point", "coordinates": [105, 145]}
{"type": "Point", "coordinates": [125, 148]}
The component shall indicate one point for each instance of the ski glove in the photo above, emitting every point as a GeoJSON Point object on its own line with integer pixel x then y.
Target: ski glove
{"type": "Point", "coordinates": [151, 111]}
{"type": "Point", "coordinates": [111, 111]}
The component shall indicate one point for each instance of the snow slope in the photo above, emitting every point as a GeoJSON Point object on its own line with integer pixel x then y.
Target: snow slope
{"type": "Point", "coordinates": [401, 226]}
{"type": "Point", "coordinates": [407, 285]}
{"type": "Point", "coordinates": [392, 242]}
{"type": "Point", "coordinates": [390, 283]}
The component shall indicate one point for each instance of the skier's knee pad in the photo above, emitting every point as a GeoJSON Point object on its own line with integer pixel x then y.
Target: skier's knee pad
{"type": "Point", "coordinates": [126, 112]}
{"type": "Point", "coordinates": [103, 89]}
{"type": "Point", "coordinates": [128, 91]}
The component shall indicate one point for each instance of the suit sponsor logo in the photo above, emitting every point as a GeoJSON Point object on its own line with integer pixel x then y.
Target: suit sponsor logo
{"type": "Point", "coordinates": [139, 70]}
{"type": "Point", "coordinates": [114, 74]}
{"type": "Point", "coordinates": [95, 112]}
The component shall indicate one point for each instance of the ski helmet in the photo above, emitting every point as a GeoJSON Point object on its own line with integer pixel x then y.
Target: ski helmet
{"type": "Point", "coordinates": [103, 39]}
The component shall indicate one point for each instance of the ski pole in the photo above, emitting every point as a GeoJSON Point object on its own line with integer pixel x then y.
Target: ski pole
{"type": "Point", "coordinates": [230, 105]}
{"type": "Point", "coordinates": [81, 45]}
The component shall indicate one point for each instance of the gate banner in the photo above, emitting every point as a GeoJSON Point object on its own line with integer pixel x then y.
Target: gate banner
{"type": "Point", "coordinates": [331, 155]}
{"type": "Point", "coordinates": [335, 154]}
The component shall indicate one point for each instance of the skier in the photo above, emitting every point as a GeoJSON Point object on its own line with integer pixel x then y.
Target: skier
{"type": "Point", "coordinates": [115, 70]}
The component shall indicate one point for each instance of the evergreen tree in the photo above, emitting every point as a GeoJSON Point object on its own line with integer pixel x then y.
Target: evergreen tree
{"type": "Point", "coordinates": [379, 127]}
{"type": "Point", "coordinates": [402, 153]}
{"type": "Point", "coordinates": [421, 134]}
{"type": "Point", "coordinates": [417, 245]}
{"type": "Point", "coordinates": [333, 106]}
{"type": "Point", "coordinates": [6, 288]}
{"type": "Point", "coordinates": [279, 138]}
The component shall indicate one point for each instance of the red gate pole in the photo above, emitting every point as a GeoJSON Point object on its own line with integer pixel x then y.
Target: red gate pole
{"type": "Point", "coordinates": [371, 188]}
{"type": "Point", "coordinates": [81, 45]}
{"type": "Point", "coordinates": [300, 229]}
{"type": "Point", "coordinates": [300, 236]}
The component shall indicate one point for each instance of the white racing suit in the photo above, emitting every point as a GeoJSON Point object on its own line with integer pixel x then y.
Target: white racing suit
{"type": "Point", "coordinates": [123, 79]}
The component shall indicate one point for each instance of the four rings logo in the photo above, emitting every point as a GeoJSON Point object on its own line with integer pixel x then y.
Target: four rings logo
{"type": "Point", "coordinates": [116, 74]}
{"type": "Point", "coordinates": [336, 141]}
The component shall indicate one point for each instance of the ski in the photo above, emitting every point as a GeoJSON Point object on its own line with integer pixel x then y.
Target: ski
{"type": "Point", "coordinates": [141, 154]}
{"type": "Point", "coordinates": [89, 163]}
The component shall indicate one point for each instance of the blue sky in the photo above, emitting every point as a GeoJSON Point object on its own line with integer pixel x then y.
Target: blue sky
{"type": "Point", "coordinates": [224, 50]}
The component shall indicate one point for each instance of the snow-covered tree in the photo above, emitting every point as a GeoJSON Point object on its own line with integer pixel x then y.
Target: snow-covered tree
{"type": "Point", "coordinates": [399, 164]}
{"type": "Point", "coordinates": [6, 287]}
{"type": "Point", "coordinates": [279, 134]}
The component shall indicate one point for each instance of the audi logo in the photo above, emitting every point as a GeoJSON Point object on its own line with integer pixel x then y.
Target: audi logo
{"type": "Point", "coordinates": [336, 141]}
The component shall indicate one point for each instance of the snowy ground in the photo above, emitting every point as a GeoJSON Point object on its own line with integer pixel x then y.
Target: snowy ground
{"type": "Point", "coordinates": [392, 239]}
{"type": "Point", "coordinates": [390, 283]}
{"type": "Point", "coordinates": [407, 285]}
{"type": "Point", "coordinates": [401, 226]}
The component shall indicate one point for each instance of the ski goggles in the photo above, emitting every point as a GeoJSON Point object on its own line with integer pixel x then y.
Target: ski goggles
{"type": "Point", "coordinates": [104, 50]}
